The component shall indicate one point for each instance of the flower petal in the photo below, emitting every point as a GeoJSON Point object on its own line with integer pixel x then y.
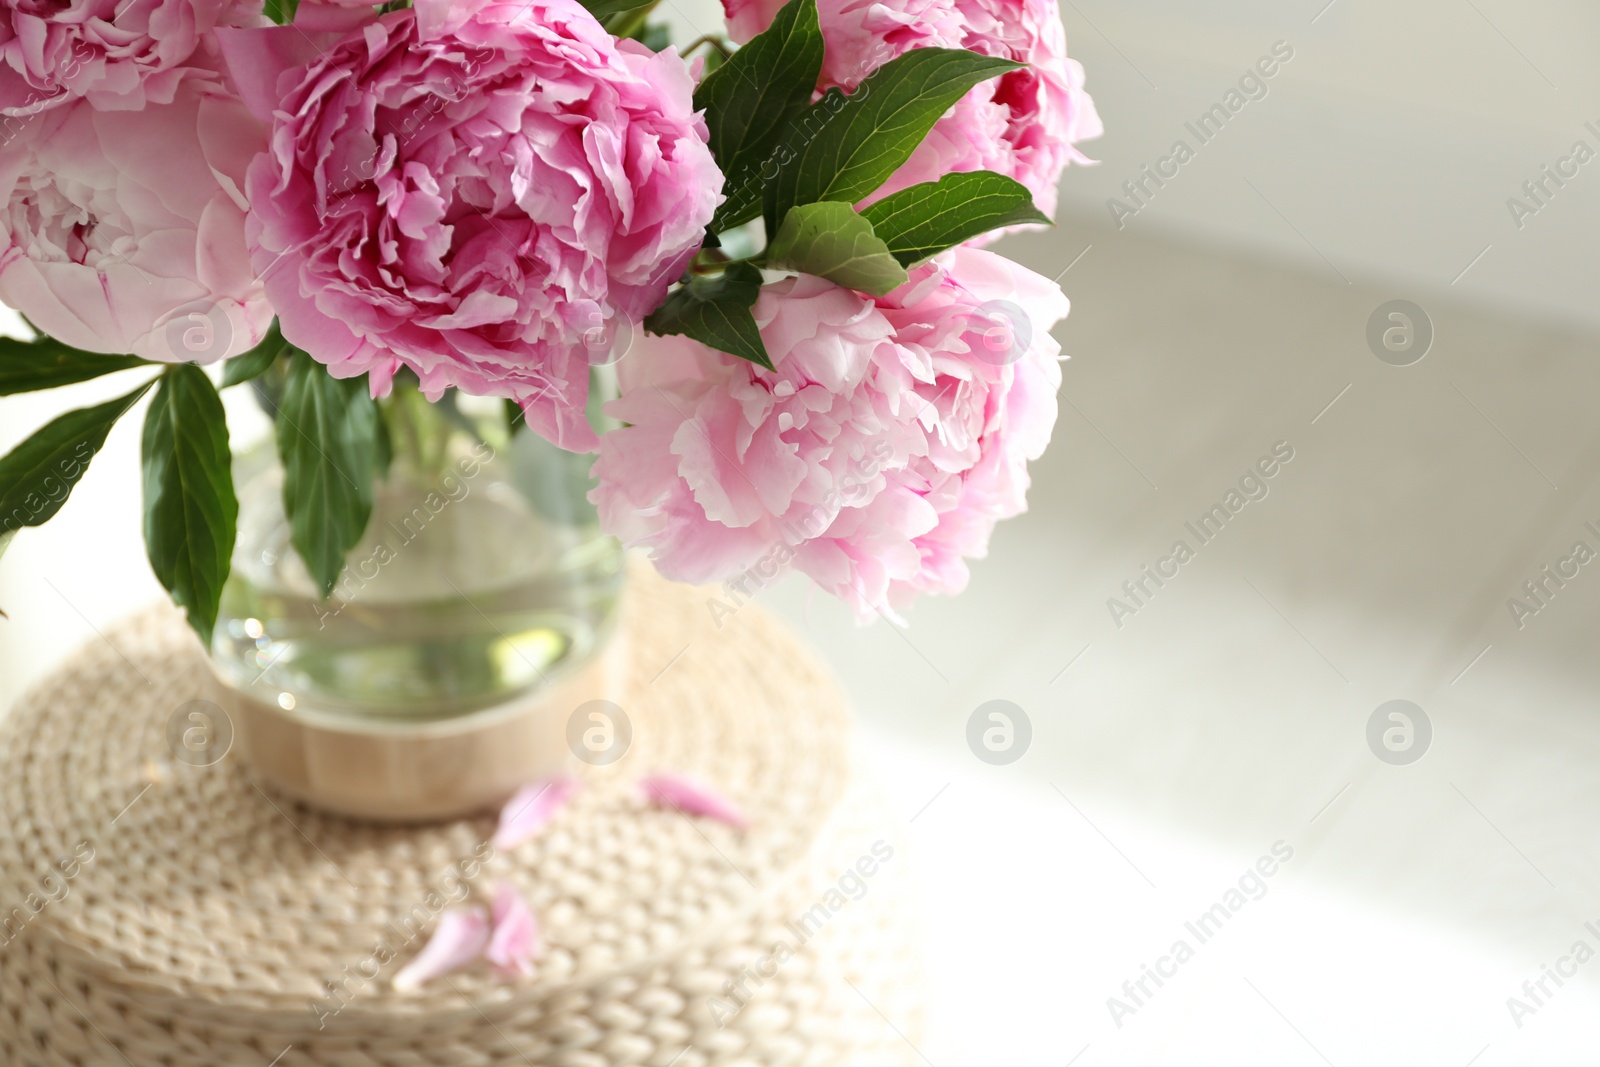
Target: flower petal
{"type": "Point", "coordinates": [461, 937]}
{"type": "Point", "coordinates": [532, 809]}
{"type": "Point", "coordinates": [692, 798]}
{"type": "Point", "coordinates": [515, 942]}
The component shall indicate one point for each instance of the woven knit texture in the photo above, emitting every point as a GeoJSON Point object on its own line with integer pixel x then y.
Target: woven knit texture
{"type": "Point", "coordinates": [159, 914]}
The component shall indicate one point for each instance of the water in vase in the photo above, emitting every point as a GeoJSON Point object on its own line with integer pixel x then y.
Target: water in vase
{"type": "Point", "coordinates": [482, 577]}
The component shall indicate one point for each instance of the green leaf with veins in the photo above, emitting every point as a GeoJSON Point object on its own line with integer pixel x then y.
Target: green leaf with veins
{"type": "Point", "coordinates": [749, 101]}
{"type": "Point", "coordinates": [830, 240]}
{"type": "Point", "coordinates": [256, 362]}
{"type": "Point", "coordinates": [29, 366]}
{"type": "Point", "coordinates": [844, 147]}
{"type": "Point", "coordinates": [191, 514]}
{"type": "Point", "coordinates": [330, 444]}
{"type": "Point", "coordinates": [716, 312]}
{"type": "Point", "coordinates": [923, 220]}
{"type": "Point", "coordinates": [38, 476]}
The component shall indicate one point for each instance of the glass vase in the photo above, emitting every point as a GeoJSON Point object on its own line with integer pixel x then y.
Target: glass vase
{"type": "Point", "coordinates": [467, 624]}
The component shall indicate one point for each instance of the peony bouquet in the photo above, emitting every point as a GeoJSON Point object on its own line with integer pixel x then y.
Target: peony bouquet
{"type": "Point", "coordinates": [773, 239]}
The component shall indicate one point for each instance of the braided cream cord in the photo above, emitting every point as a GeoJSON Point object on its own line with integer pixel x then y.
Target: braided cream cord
{"type": "Point", "coordinates": [165, 915]}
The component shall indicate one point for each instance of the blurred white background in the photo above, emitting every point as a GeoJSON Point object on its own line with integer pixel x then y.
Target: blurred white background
{"type": "Point", "coordinates": [1230, 712]}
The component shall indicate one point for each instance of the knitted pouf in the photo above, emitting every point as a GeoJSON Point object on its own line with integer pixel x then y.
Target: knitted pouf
{"type": "Point", "coordinates": [158, 913]}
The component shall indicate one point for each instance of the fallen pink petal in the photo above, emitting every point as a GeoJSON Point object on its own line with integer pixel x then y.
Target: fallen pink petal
{"type": "Point", "coordinates": [460, 938]}
{"type": "Point", "coordinates": [692, 798]}
{"type": "Point", "coordinates": [514, 944]}
{"type": "Point", "coordinates": [531, 810]}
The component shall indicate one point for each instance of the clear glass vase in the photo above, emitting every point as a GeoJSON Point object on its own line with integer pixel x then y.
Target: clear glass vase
{"type": "Point", "coordinates": [482, 589]}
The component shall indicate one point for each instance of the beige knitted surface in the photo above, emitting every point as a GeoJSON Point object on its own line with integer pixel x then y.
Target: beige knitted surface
{"type": "Point", "coordinates": [157, 914]}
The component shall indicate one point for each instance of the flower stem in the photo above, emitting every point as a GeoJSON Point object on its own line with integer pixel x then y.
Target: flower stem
{"type": "Point", "coordinates": [418, 431]}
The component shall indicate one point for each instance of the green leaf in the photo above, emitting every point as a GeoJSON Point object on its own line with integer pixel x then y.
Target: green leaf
{"type": "Point", "coordinates": [38, 475]}
{"type": "Point", "coordinates": [715, 57]}
{"type": "Point", "coordinates": [830, 240]}
{"type": "Point", "coordinates": [604, 9]}
{"type": "Point", "coordinates": [750, 100]}
{"type": "Point", "coordinates": [925, 219]}
{"type": "Point", "coordinates": [257, 361]}
{"type": "Point", "coordinates": [843, 147]}
{"type": "Point", "coordinates": [191, 515]}
{"type": "Point", "coordinates": [658, 38]}
{"type": "Point", "coordinates": [716, 312]}
{"type": "Point", "coordinates": [328, 441]}
{"type": "Point", "coordinates": [28, 366]}
{"type": "Point", "coordinates": [281, 11]}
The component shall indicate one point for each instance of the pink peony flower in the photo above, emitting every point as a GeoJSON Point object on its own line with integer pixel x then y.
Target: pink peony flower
{"type": "Point", "coordinates": [124, 231]}
{"type": "Point", "coordinates": [720, 455]}
{"type": "Point", "coordinates": [877, 456]}
{"type": "Point", "coordinates": [1024, 124]}
{"type": "Point", "coordinates": [474, 191]}
{"type": "Point", "coordinates": [119, 55]}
